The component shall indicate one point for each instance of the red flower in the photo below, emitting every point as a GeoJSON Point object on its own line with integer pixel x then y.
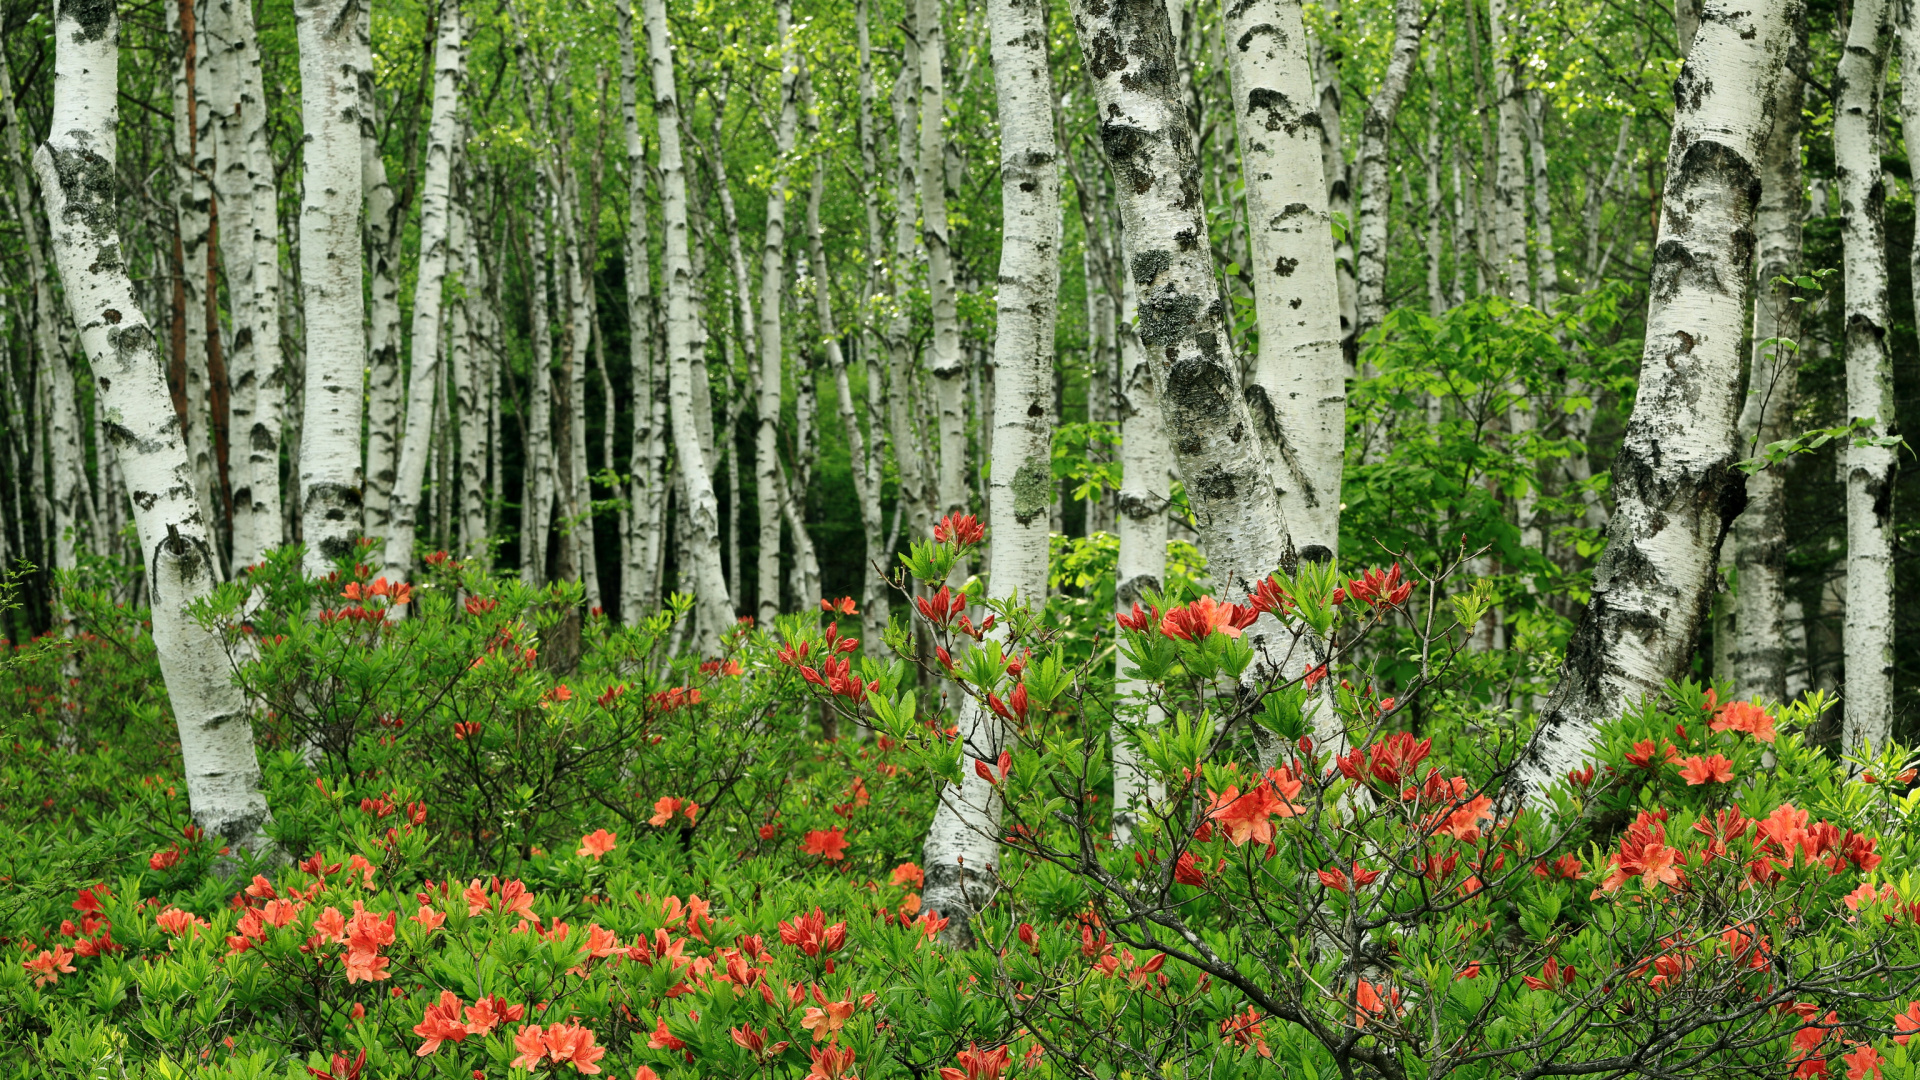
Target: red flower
{"type": "Point", "coordinates": [661, 1039]}
{"type": "Point", "coordinates": [341, 1067]}
{"type": "Point", "coordinates": [1552, 976]}
{"type": "Point", "coordinates": [1645, 854]}
{"type": "Point", "coordinates": [1138, 619]}
{"type": "Point", "coordinates": [597, 843]}
{"type": "Point", "coordinates": [441, 1023]}
{"type": "Point", "coordinates": [1376, 587]}
{"type": "Point", "coordinates": [1643, 753]}
{"type": "Point", "coordinates": [910, 875]}
{"type": "Point", "coordinates": [573, 1044]}
{"type": "Point", "coordinates": [1747, 717]}
{"type": "Point", "coordinates": [832, 1062]}
{"type": "Point", "coordinates": [1907, 1023]}
{"type": "Point", "coordinates": [978, 1064]}
{"type": "Point", "coordinates": [940, 608]}
{"type": "Point", "coordinates": [1244, 1030]}
{"type": "Point", "coordinates": [812, 935]}
{"type": "Point", "coordinates": [960, 530]}
{"type": "Point", "coordinates": [1863, 1063]}
{"type": "Point", "coordinates": [842, 606]}
{"type": "Point", "coordinates": [829, 844]}
{"type": "Point", "coordinates": [1697, 770]}
{"type": "Point", "coordinates": [1271, 597]}
{"type": "Point", "coordinates": [1202, 617]}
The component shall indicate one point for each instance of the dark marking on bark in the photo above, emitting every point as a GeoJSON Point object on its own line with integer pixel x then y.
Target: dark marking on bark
{"type": "Point", "coordinates": [94, 17]}
{"type": "Point", "coordinates": [1148, 265]}
{"type": "Point", "coordinates": [1215, 482]}
{"type": "Point", "coordinates": [1285, 266]}
{"type": "Point", "coordinates": [1166, 316]}
{"type": "Point", "coordinates": [1036, 411]}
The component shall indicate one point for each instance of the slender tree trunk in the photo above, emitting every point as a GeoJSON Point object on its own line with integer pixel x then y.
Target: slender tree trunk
{"type": "Point", "coordinates": [468, 381]}
{"type": "Point", "coordinates": [384, 224]}
{"type": "Point", "coordinates": [919, 490]}
{"type": "Point", "coordinates": [1436, 198]}
{"type": "Point", "coordinates": [639, 582]}
{"type": "Point", "coordinates": [1298, 387]}
{"type": "Point", "coordinates": [1677, 488]}
{"type": "Point", "coordinates": [68, 499]}
{"type": "Point", "coordinates": [701, 512]}
{"type": "Point", "coordinates": [1546, 264]}
{"type": "Point", "coordinates": [963, 841]}
{"type": "Point", "coordinates": [1760, 652]}
{"type": "Point", "coordinates": [192, 209]}
{"type": "Point", "coordinates": [77, 179]}
{"type": "Point", "coordinates": [874, 605]}
{"type": "Point", "coordinates": [1127, 50]}
{"type": "Point", "coordinates": [1337, 176]}
{"type": "Point", "coordinates": [773, 264]}
{"type": "Point", "coordinates": [1146, 485]}
{"type": "Point", "coordinates": [443, 136]}
{"type": "Point", "coordinates": [1868, 632]}
{"type": "Point", "coordinates": [1509, 175]}
{"type": "Point", "coordinates": [333, 52]}
{"type": "Point", "coordinates": [1376, 189]}
{"type": "Point", "coordinates": [946, 361]}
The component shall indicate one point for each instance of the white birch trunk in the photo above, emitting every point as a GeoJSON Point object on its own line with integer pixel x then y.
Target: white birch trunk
{"type": "Point", "coordinates": [250, 255]}
{"type": "Point", "coordinates": [536, 508]}
{"type": "Point", "coordinates": [1760, 652]}
{"type": "Point", "coordinates": [469, 387]}
{"type": "Point", "coordinates": [963, 840]}
{"type": "Point", "coordinates": [68, 496]}
{"type": "Point", "coordinates": [1546, 267]}
{"type": "Point", "coordinates": [701, 512]}
{"type": "Point", "coordinates": [1509, 174]}
{"type": "Point", "coordinates": [384, 224]}
{"type": "Point", "coordinates": [333, 52]}
{"type": "Point", "coordinates": [77, 179]}
{"type": "Point", "coordinates": [919, 490]}
{"type": "Point", "coordinates": [1182, 318]}
{"type": "Point", "coordinates": [773, 263]}
{"type": "Point", "coordinates": [946, 361]}
{"type": "Point", "coordinates": [443, 132]}
{"type": "Point", "coordinates": [1867, 637]}
{"type": "Point", "coordinates": [1675, 483]}
{"type": "Point", "coordinates": [1298, 387]}
{"type": "Point", "coordinates": [639, 583]}
{"type": "Point", "coordinates": [1436, 295]}
{"type": "Point", "coordinates": [874, 606]}
{"type": "Point", "coordinates": [1370, 297]}
{"type": "Point", "coordinates": [1146, 489]}
{"type": "Point", "coordinates": [192, 198]}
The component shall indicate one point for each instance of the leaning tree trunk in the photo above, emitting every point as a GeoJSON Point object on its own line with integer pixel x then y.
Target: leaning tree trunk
{"type": "Point", "coordinates": [946, 360]}
{"type": "Point", "coordinates": [77, 179]}
{"type": "Point", "coordinates": [773, 265]}
{"type": "Point", "coordinates": [1867, 637]}
{"type": "Point", "coordinates": [332, 54]}
{"type": "Point", "coordinates": [1760, 652]}
{"type": "Point", "coordinates": [1182, 324]}
{"type": "Point", "coordinates": [1676, 484]}
{"type": "Point", "coordinates": [1370, 297]}
{"type": "Point", "coordinates": [701, 511]}
{"type": "Point", "coordinates": [1298, 388]}
{"type": "Point", "coordinates": [449, 69]}
{"type": "Point", "coordinates": [963, 841]}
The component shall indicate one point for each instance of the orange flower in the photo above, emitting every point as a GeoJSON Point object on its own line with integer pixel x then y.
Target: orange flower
{"type": "Point", "coordinates": [441, 1023]}
{"type": "Point", "coordinates": [429, 918]}
{"type": "Point", "coordinates": [1464, 824]}
{"type": "Point", "coordinates": [1863, 1064]}
{"type": "Point", "coordinates": [978, 1064]}
{"type": "Point", "coordinates": [1698, 770]}
{"type": "Point", "coordinates": [1246, 817]}
{"type": "Point", "coordinates": [50, 965]}
{"type": "Point", "coordinates": [1244, 1030]}
{"type": "Point", "coordinates": [1747, 717]}
{"type": "Point", "coordinates": [910, 875]}
{"type": "Point", "coordinates": [597, 843]}
{"type": "Point", "coordinates": [829, 844]}
{"type": "Point", "coordinates": [1202, 617]}
{"type": "Point", "coordinates": [1907, 1023]}
{"type": "Point", "coordinates": [531, 1044]}
{"type": "Point", "coordinates": [831, 1063]}
{"type": "Point", "coordinates": [827, 1020]}
{"type": "Point", "coordinates": [663, 810]}
{"type": "Point", "coordinates": [573, 1044]}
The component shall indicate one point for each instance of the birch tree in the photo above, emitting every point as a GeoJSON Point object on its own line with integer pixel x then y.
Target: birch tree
{"type": "Point", "coordinates": [1760, 651]}
{"type": "Point", "coordinates": [77, 178]}
{"type": "Point", "coordinates": [1867, 636]}
{"type": "Point", "coordinates": [1370, 297]}
{"type": "Point", "coordinates": [647, 486]}
{"type": "Point", "coordinates": [946, 361]}
{"type": "Point", "coordinates": [1298, 386]}
{"type": "Point", "coordinates": [449, 69]}
{"type": "Point", "coordinates": [333, 52]}
{"type": "Point", "coordinates": [1128, 53]}
{"type": "Point", "coordinates": [701, 511]}
{"type": "Point", "coordinates": [773, 264]}
{"type": "Point", "coordinates": [963, 840]}
{"type": "Point", "coordinates": [1676, 487]}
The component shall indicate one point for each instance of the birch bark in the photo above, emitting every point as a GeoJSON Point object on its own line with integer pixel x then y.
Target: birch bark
{"type": "Point", "coordinates": [75, 167]}
{"type": "Point", "coordinates": [1509, 176]}
{"type": "Point", "coordinates": [1337, 176]}
{"type": "Point", "coordinates": [773, 262]}
{"type": "Point", "coordinates": [384, 225]}
{"type": "Point", "coordinates": [1760, 650]}
{"type": "Point", "coordinates": [1867, 635]}
{"type": "Point", "coordinates": [917, 483]}
{"type": "Point", "coordinates": [1298, 388]}
{"type": "Point", "coordinates": [443, 131]}
{"type": "Point", "coordinates": [946, 361]}
{"type": "Point", "coordinates": [333, 52]}
{"type": "Point", "coordinates": [701, 513]}
{"type": "Point", "coordinates": [963, 840]}
{"type": "Point", "coordinates": [1370, 296]}
{"type": "Point", "coordinates": [639, 585]}
{"type": "Point", "coordinates": [1128, 51]}
{"type": "Point", "coordinates": [1677, 489]}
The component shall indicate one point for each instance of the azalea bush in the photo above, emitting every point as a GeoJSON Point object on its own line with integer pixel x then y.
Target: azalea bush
{"type": "Point", "coordinates": [496, 861]}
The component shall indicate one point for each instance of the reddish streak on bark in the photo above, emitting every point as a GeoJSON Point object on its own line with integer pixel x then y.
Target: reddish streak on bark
{"type": "Point", "coordinates": [217, 389]}
{"type": "Point", "coordinates": [177, 331]}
